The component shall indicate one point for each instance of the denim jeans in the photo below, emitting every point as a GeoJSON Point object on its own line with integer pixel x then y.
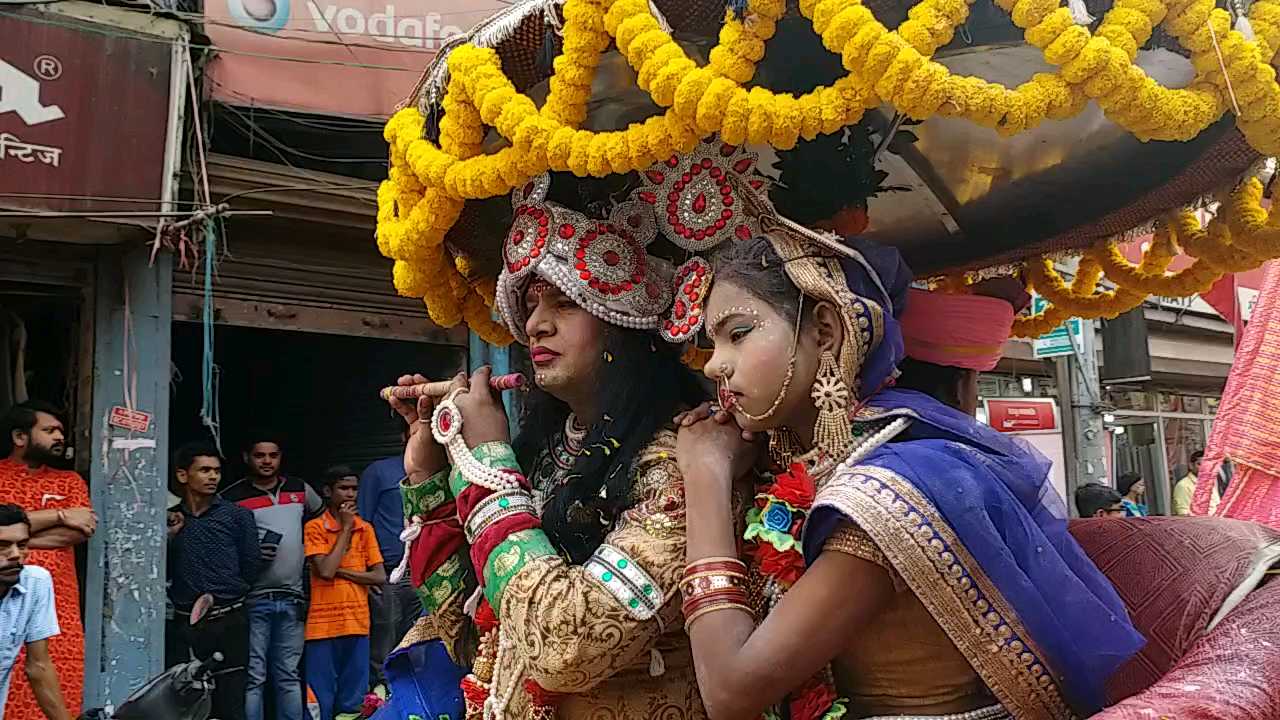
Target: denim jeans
{"type": "Point", "coordinates": [275, 649]}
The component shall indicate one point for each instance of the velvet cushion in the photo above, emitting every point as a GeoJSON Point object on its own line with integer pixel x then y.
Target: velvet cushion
{"type": "Point", "coordinates": [1174, 575]}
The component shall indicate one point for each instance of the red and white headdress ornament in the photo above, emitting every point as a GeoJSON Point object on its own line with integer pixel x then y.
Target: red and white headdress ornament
{"type": "Point", "coordinates": [602, 264]}
{"type": "Point", "coordinates": [698, 198]}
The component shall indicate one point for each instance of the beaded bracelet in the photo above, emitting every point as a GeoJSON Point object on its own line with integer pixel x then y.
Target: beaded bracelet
{"type": "Point", "coordinates": [496, 507]}
{"type": "Point", "coordinates": [446, 428]}
{"type": "Point", "coordinates": [702, 583]}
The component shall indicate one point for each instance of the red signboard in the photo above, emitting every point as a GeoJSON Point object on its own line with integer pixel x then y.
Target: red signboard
{"type": "Point", "coordinates": [84, 113]}
{"type": "Point", "coordinates": [134, 420]}
{"type": "Point", "coordinates": [1022, 415]}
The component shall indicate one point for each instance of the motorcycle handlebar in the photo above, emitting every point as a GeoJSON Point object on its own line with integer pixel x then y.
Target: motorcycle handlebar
{"type": "Point", "coordinates": [204, 668]}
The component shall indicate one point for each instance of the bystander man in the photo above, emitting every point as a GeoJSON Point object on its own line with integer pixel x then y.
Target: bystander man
{"type": "Point", "coordinates": [57, 505]}
{"type": "Point", "coordinates": [280, 506]}
{"type": "Point", "coordinates": [1095, 500]}
{"type": "Point", "coordinates": [1184, 490]}
{"type": "Point", "coordinates": [345, 564]}
{"type": "Point", "coordinates": [27, 617]}
{"type": "Point", "coordinates": [213, 550]}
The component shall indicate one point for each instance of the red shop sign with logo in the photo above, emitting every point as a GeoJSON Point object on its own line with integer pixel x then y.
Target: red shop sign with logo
{"type": "Point", "coordinates": [84, 111]}
{"type": "Point", "coordinates": [1022, 415]}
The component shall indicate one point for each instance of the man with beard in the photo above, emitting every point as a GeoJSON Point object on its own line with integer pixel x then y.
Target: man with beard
{"type": "Point", "coordinates": [57, 504]}
{"type": "Point", "coordinates": [27, 614]}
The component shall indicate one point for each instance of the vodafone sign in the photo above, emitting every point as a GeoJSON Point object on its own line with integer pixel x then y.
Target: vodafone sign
{"type": "Point", "coordinates": [331, 57]}
{"type": "Point", "coordinates": [1013, 415]}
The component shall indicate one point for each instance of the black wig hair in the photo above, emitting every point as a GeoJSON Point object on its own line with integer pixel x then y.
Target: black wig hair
{"type": "Point", "coordinates": [643, 385]}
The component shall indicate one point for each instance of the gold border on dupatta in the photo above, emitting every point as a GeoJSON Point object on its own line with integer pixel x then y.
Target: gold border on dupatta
{"type": "Point", "coordinates": [929, 557]}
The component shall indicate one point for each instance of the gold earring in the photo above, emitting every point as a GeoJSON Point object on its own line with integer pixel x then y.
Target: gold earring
{"type": "Point", "coordinates": [832, 432]}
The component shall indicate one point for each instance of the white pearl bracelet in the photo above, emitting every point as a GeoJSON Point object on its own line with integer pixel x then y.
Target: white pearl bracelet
{"type": "Point", "coordinates": [446, 428]}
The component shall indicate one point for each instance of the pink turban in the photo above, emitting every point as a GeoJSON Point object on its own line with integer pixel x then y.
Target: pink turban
{"type": "Point", "coordinates": [965, 331]}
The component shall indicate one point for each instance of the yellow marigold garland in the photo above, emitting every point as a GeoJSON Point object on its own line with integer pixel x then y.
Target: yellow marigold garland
{"type": "Point", "coordinates": [1241, 236]}
{"type": "Point", "coordinates": [427, 183]}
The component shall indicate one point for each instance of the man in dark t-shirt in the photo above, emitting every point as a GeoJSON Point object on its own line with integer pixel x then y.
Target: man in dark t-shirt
{"type": "Point", "coordinates": [213, 550]}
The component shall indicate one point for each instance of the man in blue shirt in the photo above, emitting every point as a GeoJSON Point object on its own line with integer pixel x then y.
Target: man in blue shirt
{"type": "Point", "coordinates": [393, 608]}
{"type": "Point", "coordinates": [213, 550]}
{"type": "Point", "coordinates": [27, 617]}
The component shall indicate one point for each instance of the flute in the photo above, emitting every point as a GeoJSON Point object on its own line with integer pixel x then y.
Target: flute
{"type": "Point", "coordinates": [440, 388]}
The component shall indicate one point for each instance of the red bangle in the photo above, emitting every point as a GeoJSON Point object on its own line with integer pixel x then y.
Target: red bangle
{"type": "Point", "coordinates": [695, 603]}
{"type": "Point", "coordinates": [715, 564]}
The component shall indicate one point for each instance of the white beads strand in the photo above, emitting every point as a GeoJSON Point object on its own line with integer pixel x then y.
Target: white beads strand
{"type": "Point", "coordinates": [446, 427]}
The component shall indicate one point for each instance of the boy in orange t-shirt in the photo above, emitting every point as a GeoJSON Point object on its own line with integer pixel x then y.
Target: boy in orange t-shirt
{"type": "Point", "coordinates": [345, 564]}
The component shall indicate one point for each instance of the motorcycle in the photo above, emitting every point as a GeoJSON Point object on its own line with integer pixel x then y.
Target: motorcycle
{"type": "Point", "coordinates": [183, 692]}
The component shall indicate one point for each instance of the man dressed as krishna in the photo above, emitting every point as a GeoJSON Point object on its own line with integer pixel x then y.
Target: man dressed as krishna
{"type": "Point", "coordinates": [574, 531]}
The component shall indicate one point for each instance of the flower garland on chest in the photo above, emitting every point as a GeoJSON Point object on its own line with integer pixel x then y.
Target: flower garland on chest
{"type": "Point", "coordinates": [775, 524]}
{"type": "Point", "coordinates": [775, 528]}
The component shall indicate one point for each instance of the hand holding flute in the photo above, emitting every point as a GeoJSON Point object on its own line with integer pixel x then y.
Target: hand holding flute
{"type": "Point", "coordinates": [440, 388]}
{"type": "Point", "coordinates": [414, 397]}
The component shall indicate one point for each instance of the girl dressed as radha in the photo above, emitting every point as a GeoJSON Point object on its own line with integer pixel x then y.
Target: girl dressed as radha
{"type": "Point", "coordinates": [904, 560]}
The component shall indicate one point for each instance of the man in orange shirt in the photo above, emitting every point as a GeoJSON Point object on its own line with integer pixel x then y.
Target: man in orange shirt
{"type": "Point", "coordinates": [345, 565]}
{"type": "Point", "coordinates": [57, 503]}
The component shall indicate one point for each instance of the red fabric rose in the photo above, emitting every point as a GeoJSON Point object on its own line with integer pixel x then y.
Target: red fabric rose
{"type": "Point", "coordinates": [812, 700]}
{"type": "Point", "coordinates": [785, 567]}
{"type": "Point", "coordinates": [794, 487]}
{"type": "Point", "coordinates": [474, 693]}
{"type": "Point", "coordinates": [371, 704]}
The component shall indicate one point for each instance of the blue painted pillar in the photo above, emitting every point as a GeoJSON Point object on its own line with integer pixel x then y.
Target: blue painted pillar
{"type": "Point", "coordinates": [481, 353]}
{"type": "Point", "coordinates": [125, 584]}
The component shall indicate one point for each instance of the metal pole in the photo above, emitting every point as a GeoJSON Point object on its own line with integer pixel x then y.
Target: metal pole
{"type": "Point", "coordinates": [1086, 396]}
{"type": "Point", "coordinates": [125, 597]}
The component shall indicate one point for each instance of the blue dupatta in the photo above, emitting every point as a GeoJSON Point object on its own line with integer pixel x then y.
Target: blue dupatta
{"type": "Point", "coordinates": [969, 520]}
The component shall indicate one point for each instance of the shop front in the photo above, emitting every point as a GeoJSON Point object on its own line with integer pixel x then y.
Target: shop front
{"type": "Point", "coordinates": [1152, 427]}
{"type": "Point", "coordinates": [300, 328]}
{"type": "Point", "coordinates": [91, 101]}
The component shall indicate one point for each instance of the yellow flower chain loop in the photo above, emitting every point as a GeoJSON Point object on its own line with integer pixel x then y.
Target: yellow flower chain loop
{"type": "Point", "coordinates": [1241, 236]}
{"type": "Point", "coordinates": [428, 183]}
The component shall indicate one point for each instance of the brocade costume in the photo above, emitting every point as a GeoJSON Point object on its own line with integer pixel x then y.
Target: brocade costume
{"type": "Point", "coordinates": [605, 636]}
{"type": "Point", "coordinates": [600, 639]}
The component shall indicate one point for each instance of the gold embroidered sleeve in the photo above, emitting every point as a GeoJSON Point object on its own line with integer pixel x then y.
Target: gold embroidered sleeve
{"type": "Point", "coordinates": [576, 626]}
{"type": "Point", "coordinates": [852, 540]}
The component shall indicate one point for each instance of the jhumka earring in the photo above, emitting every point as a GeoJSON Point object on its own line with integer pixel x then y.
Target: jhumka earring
{"type": "Point", "coordinates": [832, 432]}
